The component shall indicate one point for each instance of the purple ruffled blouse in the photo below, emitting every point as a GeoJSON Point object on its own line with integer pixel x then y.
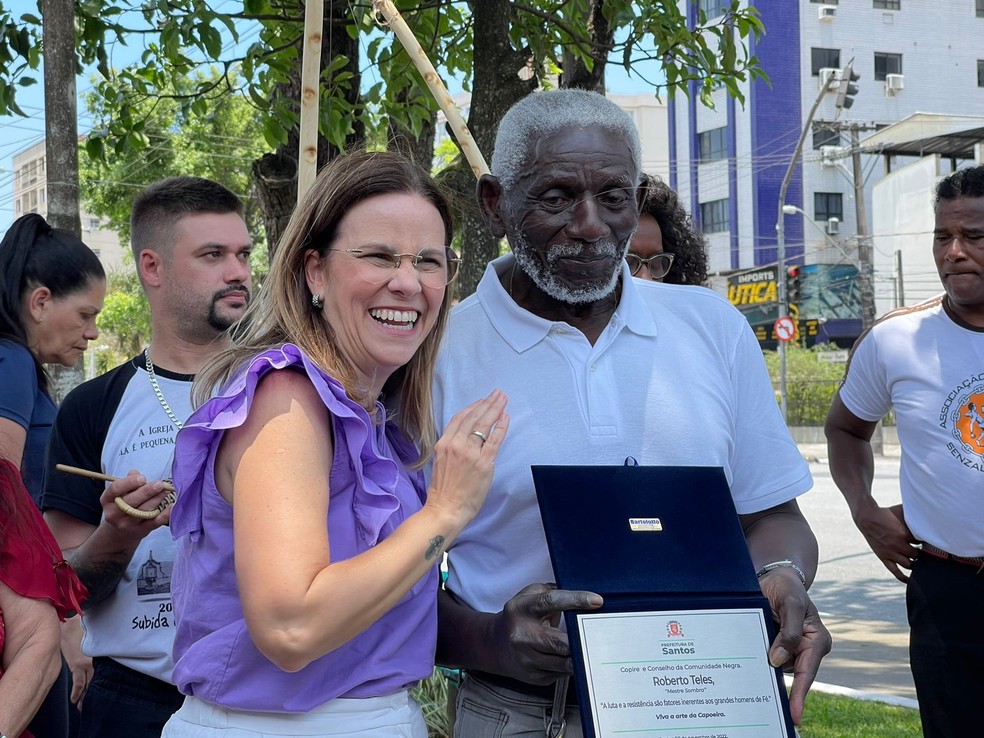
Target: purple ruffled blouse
{"type": "Point", "coordinates": [372, 492]}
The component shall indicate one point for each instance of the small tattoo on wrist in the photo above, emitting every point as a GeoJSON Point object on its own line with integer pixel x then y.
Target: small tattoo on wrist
{"type": "Point", "coordinates": [435, 547]}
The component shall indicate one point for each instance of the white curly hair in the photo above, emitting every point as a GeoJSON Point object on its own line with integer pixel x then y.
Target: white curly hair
{"type": "Point", "coordinates": [542, 114]}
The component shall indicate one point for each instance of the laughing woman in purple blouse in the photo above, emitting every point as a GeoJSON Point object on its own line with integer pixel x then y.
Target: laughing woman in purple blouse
{"type": "Point", "coordinates": [305, 584]}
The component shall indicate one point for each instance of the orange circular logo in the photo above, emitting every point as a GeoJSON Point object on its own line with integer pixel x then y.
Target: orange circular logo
{"type": "Point", "coordinates": [968, 421]}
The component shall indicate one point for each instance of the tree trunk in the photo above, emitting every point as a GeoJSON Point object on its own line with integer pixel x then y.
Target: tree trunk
{"type": "Point", "coordinates": [275, 182]}
{"type": "Point", "coordinates": [495, 87]}
{"type": "Point", "coordinates": [61, 145]}
{"type": "Point", "coordinates": [275, 174]}
{"type": "Point", "coordinates": [602, 38]}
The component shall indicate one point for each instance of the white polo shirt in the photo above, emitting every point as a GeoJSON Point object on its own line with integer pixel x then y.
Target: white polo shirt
{"type": "Point", "coordinates": [676, 378]}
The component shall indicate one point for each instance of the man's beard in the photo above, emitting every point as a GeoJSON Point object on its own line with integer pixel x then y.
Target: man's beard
{"type": "Point", "coordinates": [220, 322]}
{"type": "Point", "coordinates": [544, 278]}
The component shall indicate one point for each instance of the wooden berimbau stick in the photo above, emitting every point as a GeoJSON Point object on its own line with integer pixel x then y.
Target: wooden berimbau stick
{"type": "Point", "coordinates": [122, 504]}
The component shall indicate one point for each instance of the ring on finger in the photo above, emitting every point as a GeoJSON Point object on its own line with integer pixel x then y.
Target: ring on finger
{"type": "Point", "coordinates": [481, 435]}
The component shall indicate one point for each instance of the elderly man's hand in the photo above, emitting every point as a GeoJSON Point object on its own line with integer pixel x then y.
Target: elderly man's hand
{"type": "Point", "coordinates": [532, 647]}
{"type": "Point", "coordinates": [802, 641]}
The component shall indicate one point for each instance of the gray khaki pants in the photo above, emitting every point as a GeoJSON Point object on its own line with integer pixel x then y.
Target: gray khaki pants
{"type": "Point", "coordinates": [490, 711]}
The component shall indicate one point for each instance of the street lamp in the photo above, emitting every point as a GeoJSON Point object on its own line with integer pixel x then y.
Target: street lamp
{"type": "Point", "coordinates": [781, 243]}
{"type": "Point", "coordinates": [788, 209]}
{"type": "Point", "coordinates": [793, 210]}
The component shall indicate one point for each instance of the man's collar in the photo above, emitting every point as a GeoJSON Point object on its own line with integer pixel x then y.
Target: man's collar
{"type": "Point", "coordinates": [522, 329]}
{"type": "Point", "coordinates": [637, 315]}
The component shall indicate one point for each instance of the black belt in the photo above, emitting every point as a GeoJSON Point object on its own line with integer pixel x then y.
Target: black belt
{"type": "Point", "coordinates": [543, 691]}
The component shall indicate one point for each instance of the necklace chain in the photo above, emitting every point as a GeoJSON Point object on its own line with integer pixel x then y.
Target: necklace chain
{"type": "Point", "coordinates": [160, 395]}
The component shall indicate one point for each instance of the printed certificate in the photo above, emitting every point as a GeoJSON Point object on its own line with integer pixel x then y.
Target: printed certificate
{"type": "Point", "coordinates": [681, 674]}
{"type": "Point", "coordinates": [680, 648]}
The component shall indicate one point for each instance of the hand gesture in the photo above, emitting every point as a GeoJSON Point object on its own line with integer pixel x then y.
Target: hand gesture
{"type": "Point", "coordinates": [532, 647]}
{"type": "Point", "coordinates": [802, 641]}
{"type": "Point", "coordinates": [464, 458]}
{"type": "Point", "coordinates": [889, 537]}
{"type": "Point", "coordinates": [139, 493]}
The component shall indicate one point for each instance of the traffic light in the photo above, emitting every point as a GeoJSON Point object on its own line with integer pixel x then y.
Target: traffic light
{"type": "Point", "coordinates": [848, 87]}
{"type": "Point", "coordinates": [793, 286]}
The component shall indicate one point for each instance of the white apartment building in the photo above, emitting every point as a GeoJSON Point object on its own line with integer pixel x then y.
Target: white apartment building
{"type": "Point", "coordinates": [729, 163]}
{"type": "Point", "coordinates": [30, 179]}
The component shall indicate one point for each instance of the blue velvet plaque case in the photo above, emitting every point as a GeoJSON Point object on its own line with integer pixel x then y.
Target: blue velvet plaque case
{"type": "Point", "coordinates": [647, 539]}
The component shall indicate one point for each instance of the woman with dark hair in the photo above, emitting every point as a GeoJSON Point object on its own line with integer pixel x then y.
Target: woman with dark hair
{"type": "Point", "coordinates": [37, 588]}
{"type": "Point", "coordinates": [52, 287]}
{"type": "Point", "coordinates": [306, 577]}
{"type": "Point", "coordinates": [666, 247]}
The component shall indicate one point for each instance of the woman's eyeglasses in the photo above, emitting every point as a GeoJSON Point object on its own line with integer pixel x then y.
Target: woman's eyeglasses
{"type": "Point", "coordinates": [659, 264]}
{"type": "Point", "coordinates": [434, 267]}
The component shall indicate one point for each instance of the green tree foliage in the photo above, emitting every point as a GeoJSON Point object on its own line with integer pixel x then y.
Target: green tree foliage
{"type": "Point", "coordinates": [219, 145]}
{"type": "Point", "coordinates": [502, 49]}
{"type": "Point", "coordinates": [810, 382]}
{"type": "Point", "coordinates": [182, 36]}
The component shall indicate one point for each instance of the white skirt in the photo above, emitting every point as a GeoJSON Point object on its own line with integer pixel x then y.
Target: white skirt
{"type": "Point", "coordinates": [396, 715]}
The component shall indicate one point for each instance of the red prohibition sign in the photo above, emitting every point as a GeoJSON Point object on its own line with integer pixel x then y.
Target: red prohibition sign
{"type": "Point", "coordinates": [784, 328]}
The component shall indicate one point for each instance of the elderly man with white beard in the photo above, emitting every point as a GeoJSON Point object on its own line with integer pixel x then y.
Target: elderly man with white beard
{"type": "Point", "coordinates": [598, 367]}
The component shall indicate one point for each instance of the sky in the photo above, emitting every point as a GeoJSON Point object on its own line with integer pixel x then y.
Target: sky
{"type": "Point", "coordinates": [18, 133]}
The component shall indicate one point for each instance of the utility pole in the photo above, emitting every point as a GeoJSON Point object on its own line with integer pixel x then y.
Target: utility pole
{"type": "Point", "coordinates": [61, 143]}
{"type": "Point", "coordinates": [781, 298]}
{"type": "Point", "coordinates": [864, 258]}
{"type": "Point", "coordinates": [864, 241]}
{"type": "Point", "coordinates": [900, 285]}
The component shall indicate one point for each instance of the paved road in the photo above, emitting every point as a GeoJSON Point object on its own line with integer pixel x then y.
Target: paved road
{"type": "Point", "coordinates": [862, 604]}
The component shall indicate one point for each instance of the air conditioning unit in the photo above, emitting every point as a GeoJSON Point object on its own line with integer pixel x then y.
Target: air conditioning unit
{"type": "Point", "coordinates": [829, 155]}
{"type": "Point", "coordinates": [827, 13]}
{"type": "Point", "coordinates": [833, 226]}
{"type": "Point", "coordinates": [894, 83]}
{"type": "Point", "coordinates": [829, 77]}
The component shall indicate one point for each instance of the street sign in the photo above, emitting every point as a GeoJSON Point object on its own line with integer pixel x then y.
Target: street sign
{"type": "Point", "coordinates": [784, 329]}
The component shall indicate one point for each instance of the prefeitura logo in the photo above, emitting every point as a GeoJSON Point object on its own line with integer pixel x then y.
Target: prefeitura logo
{"type": "Point", "coordinates": [674, 629]}
{"type": "Point", "coordinates": [963, 416]}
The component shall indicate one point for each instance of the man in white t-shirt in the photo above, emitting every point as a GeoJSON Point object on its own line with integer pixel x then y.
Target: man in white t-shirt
{"type": "Point", "coordinates": [597, 367]}
{"type": "Point", "coordinates": [192, 249]}
{"type": "Point", "coordinates": [927, 362]}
